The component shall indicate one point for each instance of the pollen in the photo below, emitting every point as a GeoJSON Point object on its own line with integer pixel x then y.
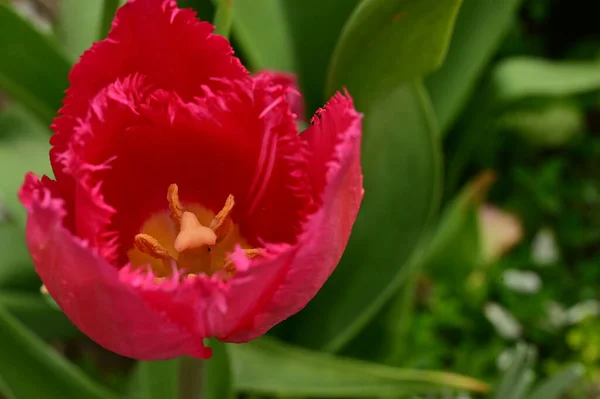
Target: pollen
{"type": "Point", "coordinates": [190, 238]}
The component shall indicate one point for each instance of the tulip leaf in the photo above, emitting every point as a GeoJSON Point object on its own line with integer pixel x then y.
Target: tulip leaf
{"type": "Point", "coordinates": [31, 369]}
{"type": "Point", "coordinates": [16, 269]}
{"type": "Point", "coordinates": [108, 14]}
{"type": "Point", "coordinates": [263, 34]}
{"type": "Point", "coordinates": [37, 314]}
{"type": "Point", "coordinates": [216, 375]}
{"type": "Point", "coordinates": [156, 380]}
{"type": "Point", "coordinates": [268, 367]}
{"type": "Point", "coordinates": [34, 68]}
{"type": "Point", "coordinates": [452, 249]}
{"type": "Point", "coordinates": [480, 27]}
{"type": "Point", "coordinates": [402, 180]}
{"type": "Point", "coordinates": [23, 147]}
{"type": "Point", "coordinates": [79, 24]}
{"type": "Point", "coordinates": [275, 36]}
{"type": "Point", "coordinates": [315, 26]}
{"type": "Point", "coordinates": [389, 42]}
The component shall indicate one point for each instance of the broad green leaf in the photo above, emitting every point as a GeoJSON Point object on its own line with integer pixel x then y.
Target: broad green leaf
{"type": "Point", "coordinates": [519, 77]}
{"type": "Point", "coordinates": [275, 36]}
{"type": "Point", "coordinates": [388, 42]}
{"type": "Point", "coordinates": [31, 369]}
{"type": "Point", "coordinates": [36, 313]}
{"type": "Point", "coordinates": [401, 165]}
{"type": "Point", "coordinates": [480, 27]}
{"type": "Point", "coordinates": [315, 26]}
{"type": "Point", "coordinates": [23, 147]}
{"type": "Point", "coordinates": [556, 385]}
{"type": "Point", "coordinates": [34, 67]}
{"type": "Point", "coordinates": [264, 35]}
{"type": "Point", "coordinates": [450, 250]}
{"type": "Point", "coordinates": [156, 380]}
{"type": "Point", "coordinates": [108, 14]}
{"type": "Point", "coordinates": [268, 367]}
{"type": "Point", "coordinates": [216, 375]}
{"type": "Point", "coordinates": [79, 24]}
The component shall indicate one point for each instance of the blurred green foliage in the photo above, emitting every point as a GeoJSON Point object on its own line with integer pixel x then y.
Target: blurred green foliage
{"type": "Point", "coordinates": [467, 104]}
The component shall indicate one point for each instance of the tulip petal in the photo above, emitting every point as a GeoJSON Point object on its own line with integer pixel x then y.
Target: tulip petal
{"type": "Point", "coordinates": [154, 38]}
{"type": "Point", "coordinates": [299, 272]}
{"type": "Point", "coordinates": [87, 288]}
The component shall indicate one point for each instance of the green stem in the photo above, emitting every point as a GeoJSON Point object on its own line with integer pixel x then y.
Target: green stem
{"type": "Point", "coordinates": [223, 17]}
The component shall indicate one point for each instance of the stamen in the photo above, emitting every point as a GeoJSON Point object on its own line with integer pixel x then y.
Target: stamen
{"type": "Point", "coordinates": [149, 245]}
{"type": "Point", "coordinates": [222, 223]}
{"type": "Point", "coordinates": [200, 250]}
{"type": "Point", "coordinates": [176, 210]}
{"type": "Point", "coordinates": [193, 234]}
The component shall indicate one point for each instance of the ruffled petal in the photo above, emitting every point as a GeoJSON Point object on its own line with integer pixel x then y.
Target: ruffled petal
{"type": "Point", "coordinates": [299, 272]}
{"type": "Point", "coordinates": [154, 38]}
{"type": "Point", "coordinates": [136, 141]}
{"type": "Point", "coordinates": [87, 288]}
{"type": "Point", "coordinates": [294, 96]}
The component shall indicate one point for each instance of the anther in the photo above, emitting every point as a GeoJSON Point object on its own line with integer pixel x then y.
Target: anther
{"type": "Point", "coordinates": [149, 245]}
{"type": "Point", "coordinates": [175, 208]}
{"type": "Point", "coordinates": [222, 223]}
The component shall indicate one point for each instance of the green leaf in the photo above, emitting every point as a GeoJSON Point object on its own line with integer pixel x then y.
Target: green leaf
{"type": "Point", "coordinates": [108, 14]}
{"type": "Point", "coordinates": [550, 125]}
{"type": "Point", "coordinates": [264, 35]}
{"type": "Point", "coordinates": [156, 380]}
{"type": "Point", "coordinates": [5, 391]}
{"type": "Point", "coordinates": [314, 35]}
{"type": "Point", "coordinates": [401, 165]}
{"type": "Point", "coordinates": [204, 8]}
{"type": "Point", "coordinates": [450, 251]}
{"type": "Point", "coordinates": [216, 376]}
{"type": "Point", "coordinates": [556, 385]}
{"type": "Point", "coordinates": [268, 367]}
{"type": "Point", "coordinates": [79, 24]}
{"type": "Point", "coordinates": [388, 42]}
{"type": "Point", "coordinates": [36, 313]}
{"type": "Point", "coordinates": [455, 247]}
{"type": "Point", "coordinates": [520, 77]}
{"type": "Point", "coordinates": [34, 68]}
{"type": "Point", "coordinates": [23, 147]}
{"type": "Point", "coordinates": [16, 269]}
{"type": "Point", "coordinates": [518, 376]}
{"type": "Point", "coordinates": [31, 369]}
{"type": "Point", "coordinates": [223, 17]}
{"type": "Point", "coordinates": [512, 81]}
{"type": "Point", "coordinates": [480, 27]}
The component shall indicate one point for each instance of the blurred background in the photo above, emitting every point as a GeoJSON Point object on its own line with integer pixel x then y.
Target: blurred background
{"type": "Point", "coordinates": [474, 267]}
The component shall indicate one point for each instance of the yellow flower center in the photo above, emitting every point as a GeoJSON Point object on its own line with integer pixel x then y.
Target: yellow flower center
{"type": "Point", "coordinates": [192, 239]}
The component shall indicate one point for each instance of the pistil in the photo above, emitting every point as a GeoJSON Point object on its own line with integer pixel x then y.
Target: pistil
{"type": "Point", "coordinates": [194, 242]}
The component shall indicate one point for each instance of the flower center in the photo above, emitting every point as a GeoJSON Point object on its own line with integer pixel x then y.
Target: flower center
{"type": "Point", "coordinates": [192, 239]}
